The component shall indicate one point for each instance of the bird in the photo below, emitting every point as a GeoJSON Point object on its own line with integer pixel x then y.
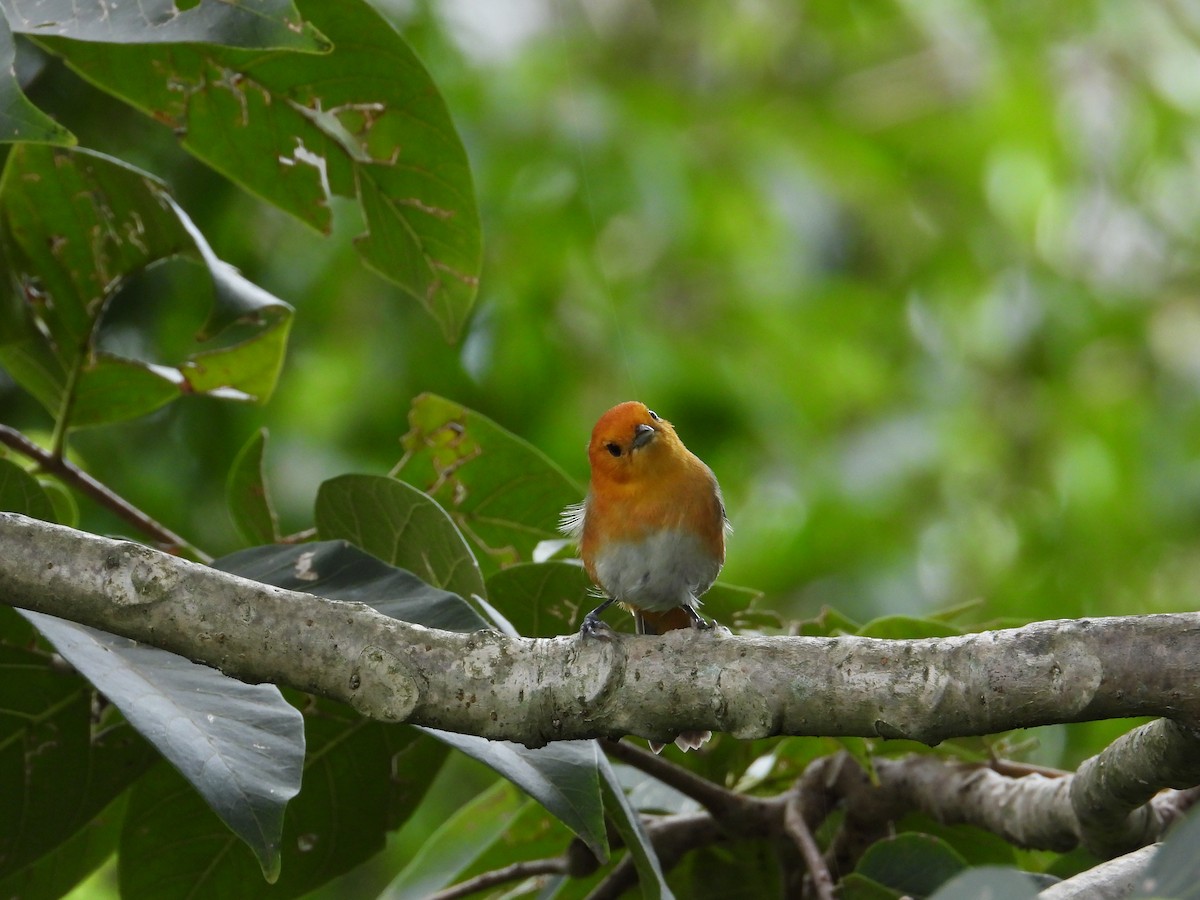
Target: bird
{"type": "Point", "coordinates": [651, 530]}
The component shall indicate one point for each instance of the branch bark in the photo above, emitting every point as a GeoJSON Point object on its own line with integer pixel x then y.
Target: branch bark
{"type": "Point", "coordinates": [536, 691]}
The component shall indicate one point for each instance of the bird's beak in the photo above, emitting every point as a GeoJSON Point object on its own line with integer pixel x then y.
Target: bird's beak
{"type": "Point", "coordinates": [642, 435]}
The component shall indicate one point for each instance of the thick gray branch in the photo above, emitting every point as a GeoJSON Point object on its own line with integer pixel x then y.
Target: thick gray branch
{"type": "Point", "coordinates": [534, 691]}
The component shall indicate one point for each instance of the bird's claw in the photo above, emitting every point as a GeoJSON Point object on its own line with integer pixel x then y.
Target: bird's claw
{"type": "Point", "coordinates": [595, 627]}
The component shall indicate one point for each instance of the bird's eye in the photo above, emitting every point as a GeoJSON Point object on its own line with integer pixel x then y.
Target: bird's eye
{"type": "Point", "coordinates": [613, 448]}
{"type": "Point", "coordinates": [653, 414]}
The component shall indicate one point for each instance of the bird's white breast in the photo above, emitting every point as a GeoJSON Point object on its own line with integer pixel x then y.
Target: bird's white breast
{"type": "Point", "coordinates": [668, 568]}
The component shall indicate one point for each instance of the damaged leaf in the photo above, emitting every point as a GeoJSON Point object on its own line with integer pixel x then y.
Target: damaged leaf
{"type": "Point", "coordinates": [365, 122]}
{"type": "Point", "coordinates": [502, 492]}
{"type": "Point", "coordinates": [246, 23]}
{"type": "Point", "coordinates": [74, 227]}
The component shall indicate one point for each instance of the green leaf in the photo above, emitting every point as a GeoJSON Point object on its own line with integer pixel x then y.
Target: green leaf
{"type": "Point", "coordinates": [629, 825]}
{"type": "Point", "coordinates": [74, 226]}
{"type": "Point", "coordinates": [400, 525]}
{"type": "Point", "coordinates": [58, 768]}
{"type": "Point", "coordinates": [564, 777]}
{"type": "Point", "coordinates": [362, 779]}
{"type": "Point", "coordinates": [66, 510]}
{"type": "Point", "coordinates": [914, 864]}
{"type": "Point", "coordinates": [54, 874]}
{"type": "Point", "coordinates": [994, 883]}
{"type": "Point", "coordinates": [541, 599]}
{"type": "Point", "coordinates": [460, 840]}
{"type": "Point", "coordinates": [240, 745]}
{"type": "Point", "coordinates": [246, 492]}
{"type": "Point", "coordinates": [245, 23]}
{"type": "Point", "coordinates": [20, 120]}
{"type": "Point", "coordinates": [21, 493]}
{"type": "Point", "coordinates": [365, 121]}
{"type": "Point", "coordinates": [504, 493]}
{"type": "Point", "coordinates": [858, 887]}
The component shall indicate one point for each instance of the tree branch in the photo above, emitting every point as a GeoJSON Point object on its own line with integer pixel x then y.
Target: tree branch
{"type": "Point", "coordinates": [535, 691]}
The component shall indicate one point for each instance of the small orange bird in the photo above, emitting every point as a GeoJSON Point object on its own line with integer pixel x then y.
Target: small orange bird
{"type": "Point", "coordinates": [651, 531]}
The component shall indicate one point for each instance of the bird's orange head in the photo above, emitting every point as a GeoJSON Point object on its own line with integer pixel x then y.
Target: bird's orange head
{"type": "Point", "coordinates": [631, 442]}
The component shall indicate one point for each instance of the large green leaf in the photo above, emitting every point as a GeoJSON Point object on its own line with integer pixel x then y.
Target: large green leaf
{"type": "Point", "coordinates": [58, 767]}
{"type": "Point", "coordinates": [402, 526]}
{"type": "Point", "coordinates": [365, 121]}
{"type": "Point", "coordinates": [20, 120]}
{"type": "Point", "coordinates": [504, 493]}
{"type": "Point", "coordinates": [74, 226]}
{"type": "Point", "coordinates": [53, 875]}
{"type": "Point", "coordinates": [245, 23]}
{"type": "Point", "coordinates": [362, 779]}
{"type": "Point", "coordinates": [239, 745]}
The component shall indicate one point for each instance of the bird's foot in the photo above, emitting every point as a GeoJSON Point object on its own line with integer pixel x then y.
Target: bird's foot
{"type": "Point", "coordinates": [595, 627]}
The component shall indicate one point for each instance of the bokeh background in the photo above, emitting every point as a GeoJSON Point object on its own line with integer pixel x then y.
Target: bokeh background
{"type": "Point", "coordinates": [918, 279]}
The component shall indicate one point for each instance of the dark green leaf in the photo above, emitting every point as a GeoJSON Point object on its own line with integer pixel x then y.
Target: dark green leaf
{"type": "Point", "coordinates": [504, 493]}
{"type": "Point", "coordinates": [246, 492]}
{"type": "Point", "coordinates": [858, 887]}
{"type": "Point", "coordinates": [21, 493]}
{"type": "Point", "coordinates": [564, 777]}
{"type": "Point", "coordinates": [74, 226]}
{"type": "Point", "coordinates": [400, 525]}
{"type": "Point", "coordinates": [20, 120]}
{"type": "Point", "coordinates": [53, 875]}
{"type": "Point", "coordinates": [241, 746]}
{"type": "Point", "coordinates": [246, 23]}
{"type": "Point", "coordinates": [341, 571]}
{"type": "Point", "coordinates": [914, 864]}
{"type": "Point", "coordinates": [542, 599]}
{"type": "Point", "coordinates": [364, 121]}
{"type": "Point", "coordinates": [362, 779]}
{"type": "Point", "coordinates": [58, 767]}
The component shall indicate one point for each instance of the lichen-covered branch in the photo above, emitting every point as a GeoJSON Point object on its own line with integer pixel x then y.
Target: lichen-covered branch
{"type": "Point", "coordinates": [536, 691]}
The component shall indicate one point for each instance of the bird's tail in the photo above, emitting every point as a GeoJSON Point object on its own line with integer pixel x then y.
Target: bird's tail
{"type": "Point", "coordinates": [659, 623]}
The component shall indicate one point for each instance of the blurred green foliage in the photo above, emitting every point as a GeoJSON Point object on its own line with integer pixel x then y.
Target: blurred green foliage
{"type": "Point", "coordinates": [918, 281]}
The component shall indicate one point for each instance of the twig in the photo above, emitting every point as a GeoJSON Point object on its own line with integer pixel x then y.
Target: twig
{"type": "Point", "coordinates": [719, 801]}
{"type": "Point", "coordinates": [517, 871]}
{"type": "Point", "coordinates": [101, 493]}
{"type": "Point", "coordinates": [798, 830]}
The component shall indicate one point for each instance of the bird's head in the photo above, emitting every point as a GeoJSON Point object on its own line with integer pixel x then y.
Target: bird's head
{"type": "Point", "coordinates": [631, 441]}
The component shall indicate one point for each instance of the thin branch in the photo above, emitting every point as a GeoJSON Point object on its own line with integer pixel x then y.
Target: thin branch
{"type": "Point", "coordinates": [724, 804]}
{"type": "Point", "coordinates": [797, 829]}
{"type": "Point", "coordinates": [83, 482]}
{"type": "Point", "coordinates": [516, 872]}
{"type": "Point", "coordinates": [672, 837]}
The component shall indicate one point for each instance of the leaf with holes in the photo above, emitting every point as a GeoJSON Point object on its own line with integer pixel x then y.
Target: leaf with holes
{"type": "Point", "coordinates": [365, 121]}
{"type": "Point", "coordinates": [74, 225]}
{"type": "Point", "coordinates": [246, 23]}
{"type": "Point", "coordinates": [504, 493]}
